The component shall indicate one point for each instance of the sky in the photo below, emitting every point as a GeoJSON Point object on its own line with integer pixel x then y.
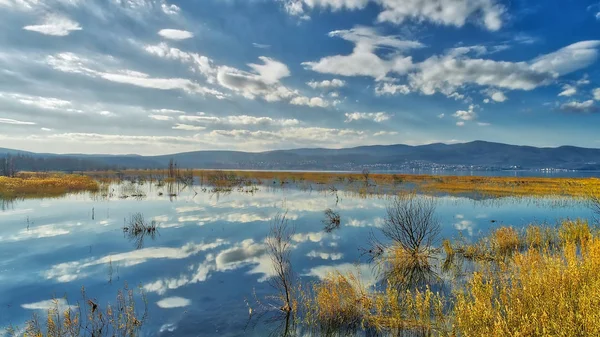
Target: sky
{"type": "Point", "coordinates": [165, 76]}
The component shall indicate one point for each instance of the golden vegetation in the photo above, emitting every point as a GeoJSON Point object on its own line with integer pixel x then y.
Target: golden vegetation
{"type": "Point", "coordinates": [341, 304]}
{"type": "Point", "coordinates": [537, 292]}
{"type": "Point", "coordinates": [383, 183]}
{"type": "Point", "coordinates": [541, 282]}
{"type": "Point", "coordinates": [33, 185]}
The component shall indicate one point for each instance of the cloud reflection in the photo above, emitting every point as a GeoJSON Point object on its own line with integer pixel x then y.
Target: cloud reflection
{"type": "Point", "coordinates": [70, 271]}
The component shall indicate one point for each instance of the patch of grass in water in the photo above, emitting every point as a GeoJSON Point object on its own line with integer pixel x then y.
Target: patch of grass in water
{"type": "Point", "coordinates": [39, 185]}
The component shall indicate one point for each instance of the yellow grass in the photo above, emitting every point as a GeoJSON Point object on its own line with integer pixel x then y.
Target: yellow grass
{"type": "Point", "coordinates": [454, 185]}
{"type": "Point", "coordinates": [342, 304]}
{"type": "Point", "coordinates": [545, 284]}
{"type": "Point", "coordinates": [29, 185]}
{"type": "Point", "coordinates": [536, 293]}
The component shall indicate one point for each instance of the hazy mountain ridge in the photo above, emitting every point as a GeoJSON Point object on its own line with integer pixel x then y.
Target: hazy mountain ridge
{"type": "Point", "coordinates": [477, 154]}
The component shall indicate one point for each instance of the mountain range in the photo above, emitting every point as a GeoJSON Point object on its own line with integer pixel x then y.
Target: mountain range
{"type": "Point", "coordinates": [476, 155]}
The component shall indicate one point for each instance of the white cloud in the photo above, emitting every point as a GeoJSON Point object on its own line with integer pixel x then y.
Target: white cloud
{"type": "Point", "coordinates": [240, 120]}
{"type": "Point", "coordinates": [483, 124]}
{"type": "Point", "coordinates": [448, 73]}
{"type": "Point", "coordinates": [363, 61]}
{"type": "Point", "coordinates": [297, 136]}
{"type": "Point", "coordinates": [568, 90]}
{"type": "Point", "coordinates": [294, 7]}
{"type": "Point", "coordinates": [262, 83]}
{"type": "Point", "coordinates": [443, 12]}
{"type": "Point", "coordinates": [456, 96]}
{"type": "Point", "coordinates": [335, 83]}
{"type": "Point", "coordinates": [198, 62]}
{"type": "Point", "coordinates": [498, 96]}
{"type": "Point", "coordinates": [465, 115]}
{"type": "Point", "coordinates": [60, 304]}
{"type": "Point", "coordinates": [583, 81]}
{"type": "Point", "coordinates": [14, 122]}
{"type": "Point", "coordinates": [167, 111]}
{"type": "Point", "coordinates": [311, 102]}
{"type": "Point", "coordinates": [385, 133]}
{"type": "Point", "coordinates": [48, 103]}
{"type": "Point", "coordinates": [46, 129]}
{"type": "Point", "coordinates": [374, 116]}
{"type": "Point", "coordinates": [271, 71]}
{"type": "Point", "coordinates": [55, 25]}
{"type": "Point", "coordinates": [261, 46]}
{"type": "Point", "coordinates": [596, 94]}
{"type": "Point", "coordinates": [478, 50]}
{"type": "Point", "coordinates": [568, 59]}
{"type": "Point", "coordinates": [106, 113]}
{"type": "Point", "coordinates": [175, 34]}
{"type": "Point", "coordinates": [170, 9]}
{"type": "Point", "coordinates": [386, 88]}
{"type": "Point", "coordinates": [73, 63]}
{"type": "Point", "coordinates": [187, 127]}
{"type": "Point", "coordinates": [160, 117]}
{"type": "Point", "coordinates": [325, 256]}
{"type": "Point", "coordinates": [442, 115]}
{"type": "Point", "coordinates": [145, 81]}
{"type": "Point", "coordinates": [173, 302]}
{"type": "Point", "coordinates": [116, 139]}
{"type": "Point", "coordinates": [574, 106]}
{"type": "Point", "coordinates": [486, 100]}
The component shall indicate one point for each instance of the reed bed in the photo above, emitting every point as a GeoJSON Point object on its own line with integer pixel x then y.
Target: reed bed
{"type": "Point", "coordinates": [35, 185]}
{"type": "Point", "coordinates": [453, 185]}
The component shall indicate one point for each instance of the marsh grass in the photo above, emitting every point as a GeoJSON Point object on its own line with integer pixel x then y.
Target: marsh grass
{"type": "Point", "coordinates": [535, 293]}
{"type": "Point", "coordinates": [337, 305]}
{"type": "Point", "coordinates": [136, 229]}
{"type": "Point", "coordinates": [342, 305]}
{"type": "Point", "coordinates": [30, 185]}
{"type": "Point", "coordinates": [479, 186]}
{"type": "Point", "coordinates": [88, 318]}
{"type": "Point", "coordinates": [542, 281]}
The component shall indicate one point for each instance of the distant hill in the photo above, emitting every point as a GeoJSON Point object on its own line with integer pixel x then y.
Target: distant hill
{"type": "Point", "coordinates": [478, 155]}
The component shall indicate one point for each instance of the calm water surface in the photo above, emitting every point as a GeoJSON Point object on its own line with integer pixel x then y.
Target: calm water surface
{"type": "Point", "coordinates": [209, 255]}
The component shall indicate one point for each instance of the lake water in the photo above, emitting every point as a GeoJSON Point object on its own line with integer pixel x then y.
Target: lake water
{"type": "Point", "coordinates": [209, 255]}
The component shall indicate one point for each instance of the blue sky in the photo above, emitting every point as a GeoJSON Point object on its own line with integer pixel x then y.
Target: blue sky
{"type": "Point", "coordinates": [164, 76]}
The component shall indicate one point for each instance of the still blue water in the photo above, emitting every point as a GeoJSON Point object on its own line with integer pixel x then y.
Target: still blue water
{"type": "Point", "coordinates": [210, 253]}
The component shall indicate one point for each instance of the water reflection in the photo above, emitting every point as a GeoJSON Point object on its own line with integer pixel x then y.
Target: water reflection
{"type": "Point", "coordinates": [211, 253]}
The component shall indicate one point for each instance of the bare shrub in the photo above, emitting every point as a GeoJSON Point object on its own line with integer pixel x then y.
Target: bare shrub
{"type": "Point", "coordinates": [332, 220]}
{"type": "Point", "coordinates": [412, 231]}
{"type": "Point", "coordinates": [279, 244]}
{"type": "Point", "coordinates": [136, 229]}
